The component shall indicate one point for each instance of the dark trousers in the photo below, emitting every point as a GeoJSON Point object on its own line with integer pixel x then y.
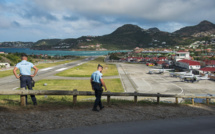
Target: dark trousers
{"type": "Point", "coordinates": [25, 81]}
{"type": "Point", "coordinates": [98, 95]}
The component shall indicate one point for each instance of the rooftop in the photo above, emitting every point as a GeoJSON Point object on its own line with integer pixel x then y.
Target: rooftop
{"type": "Point", "coordinates": [190, 62]}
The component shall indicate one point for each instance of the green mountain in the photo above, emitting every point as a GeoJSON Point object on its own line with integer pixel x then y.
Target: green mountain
{"type": "Point", "coordinates": [130, 36]}
{"type": "Point", "coordinates": [127, 36]}
{"type": "Point", "coordinates": [204, 28]}
{"type": "Point", "coordinates": [45, 43]}
{"type": "Point", "coordinates": [17, 44]}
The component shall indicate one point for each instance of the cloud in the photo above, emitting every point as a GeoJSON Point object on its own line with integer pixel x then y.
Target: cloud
{"type": "Point", "coordinates": [156, 10]}
{"type": "Point", "coordinates": [74, 18]}
{"type": "Point", "coordinates": [71, 18]}
{"type": "Point", "coordinates": [35, 13]}
{"type": "Point", "coordinates": [16, 24]}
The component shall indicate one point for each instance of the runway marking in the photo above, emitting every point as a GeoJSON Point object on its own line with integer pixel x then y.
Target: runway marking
{"type": "Point", "coordinates": [147, 83]}
{"type": "Point", "coordinates": [175, 85]}
{"type": "Point", "coordinates": [45, 69]}
{"type": "Point", "coordinates": [15, 88]}
{"type": "Point", "coordinates": [61, 69]}
{"type": "Point", "coordinates": [123, 84]}
{"type": "Point", "coordinates": [126, 74]}
{"type": "Point", "coordinates": [79, 64]}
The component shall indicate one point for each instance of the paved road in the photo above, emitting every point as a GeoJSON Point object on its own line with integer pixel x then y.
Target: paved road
{"type": "Point", "coordinates": [197, 125]}
{"type": "Point", "coordinates": [11, 83]}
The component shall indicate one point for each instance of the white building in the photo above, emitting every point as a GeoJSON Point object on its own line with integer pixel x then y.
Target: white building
{"type": "Point", "coordinates": [5, 64]}
{"type": "Point", "coordinates": [188, 64]}
{"type": "Point", "coordinates": [181, 55]}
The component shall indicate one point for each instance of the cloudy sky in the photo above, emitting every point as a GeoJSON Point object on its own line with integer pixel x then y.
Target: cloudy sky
{"type": "Point", "coordinates": [31, 20]}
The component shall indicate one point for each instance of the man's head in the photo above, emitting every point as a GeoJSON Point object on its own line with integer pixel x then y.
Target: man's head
{"type": "Point", "coordinates": [100, 67]}
{"type": "Point", "coordinates": [24, 57]}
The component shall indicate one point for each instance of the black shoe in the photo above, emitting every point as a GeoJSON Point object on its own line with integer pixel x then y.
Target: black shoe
{"type": "Point", "coordinates": [96, 110]}
{"type": "Point", "coordinates": [35, 103]}
{"type": "Point", "coordinates": [102, 107]}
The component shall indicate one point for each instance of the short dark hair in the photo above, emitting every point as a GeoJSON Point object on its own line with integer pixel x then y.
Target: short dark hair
{"type": "Point", "coordinates": [24, 55]}
{"type": "Point", "coordinates": [100, 66]}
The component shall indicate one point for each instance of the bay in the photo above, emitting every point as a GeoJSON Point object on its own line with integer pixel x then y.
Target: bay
{"type": "Point", "coordinates": [58, 52]}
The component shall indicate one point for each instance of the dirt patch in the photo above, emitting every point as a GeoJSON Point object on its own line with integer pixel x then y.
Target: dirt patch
{"type": "Point", "coordinates": [21, 120]}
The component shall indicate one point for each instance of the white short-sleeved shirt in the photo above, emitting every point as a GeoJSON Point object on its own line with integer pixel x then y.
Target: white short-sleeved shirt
{"type": "Point", "coordinates": [25, 67]}
{"type": "Point", "coordinates": [96, 76]}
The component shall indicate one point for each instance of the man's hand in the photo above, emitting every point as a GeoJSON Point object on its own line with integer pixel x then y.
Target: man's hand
{"type": "Point", "coordinates": [14, 72]}
{"type": "Point", "coordinates": [35, 72]}
{"type": "Point", "coordinates": [103, 84]}
{"type": "Point", "coordinates": [18, 76]}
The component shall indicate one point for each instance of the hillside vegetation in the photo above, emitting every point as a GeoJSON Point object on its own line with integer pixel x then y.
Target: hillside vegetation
{"type": "Point", "coordinates": [127, 36]}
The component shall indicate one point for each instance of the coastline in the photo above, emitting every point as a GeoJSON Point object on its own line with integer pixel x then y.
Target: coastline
{"type": "Point", "coordinates": [60, 52]}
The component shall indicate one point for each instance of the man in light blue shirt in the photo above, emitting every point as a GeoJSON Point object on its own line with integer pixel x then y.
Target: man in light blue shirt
{"type": "Point", "coordinates": [97, 83]}
{"type": "Point", "coordinates": [25, 67]}
{"type": "Point", "coordinates": [25, 75]}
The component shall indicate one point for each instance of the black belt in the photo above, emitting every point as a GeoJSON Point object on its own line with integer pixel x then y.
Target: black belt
{"type": "Point", "coordinates": [96, 83]}
{"type": "Point", "coordinates": [26, 75]}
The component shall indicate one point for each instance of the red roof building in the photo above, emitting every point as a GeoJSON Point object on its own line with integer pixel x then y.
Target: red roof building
{"type": "Point", "coordinates": [162, 58]}
{"type": "Point", "coordinates": [208, 69]}
{"type": "Point", "coordinates": [209, 62]}
{"type": "Point", "coordinates": [189, 64]}
{"type": "Point", "coordinates": [160, 62]}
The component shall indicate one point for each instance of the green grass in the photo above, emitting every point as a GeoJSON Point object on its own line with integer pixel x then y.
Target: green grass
{"type": "Point", "coordinates": [113, 85]}
{"type": "Point", "coordinates": [6, 73]}
{"type": "Point", "coordinates": [85, 70]}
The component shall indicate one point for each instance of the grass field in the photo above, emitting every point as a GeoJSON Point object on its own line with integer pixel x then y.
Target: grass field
{"type": "Point", "coordinates": [113, 85]}
{"type": "Point", "coordinates": [85, 70]}
{"type": "Point", "coordinates": [40, 66]}
{"type": "Point", "coordinates": [6, 73]}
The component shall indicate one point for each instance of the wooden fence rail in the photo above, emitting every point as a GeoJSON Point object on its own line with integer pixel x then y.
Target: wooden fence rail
{"type": "Point", "coordinates": [76, 93]}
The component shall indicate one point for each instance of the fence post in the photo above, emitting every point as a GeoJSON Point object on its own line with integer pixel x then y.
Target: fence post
{"type": "Point", "coordinates": [108, 99]}
{"type": "Point", "coordinates": [192, 100]}
{"type": "Point", "coordinates": [23, 99]}
{"type": "Point", "coordinates": [158, 98]}
{"type": "Point", "coordinates": [75, 92]}
{"type": "Point", "coordinates": [176, 100]}
{"type": "Point", "coordinates": [207, 101]}
{"type": "Point", "coordinates": [135, 97]}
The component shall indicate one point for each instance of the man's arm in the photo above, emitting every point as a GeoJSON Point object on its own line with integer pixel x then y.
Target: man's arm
{"type": "Point", "coordinates": [103, 84]}
{"type": "Point", "coordinates": [35, 71]}
{"type": "Point", "coordinates": [91, 82]}
{"type": "Point", "coordinates": [14, 72]}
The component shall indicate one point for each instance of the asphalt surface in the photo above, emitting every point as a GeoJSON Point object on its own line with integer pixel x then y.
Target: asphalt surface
{"type": "Point", "coordinates": [135, 77]}
{"type": "Point", "coordinates": [11, 83]}
{"type": "Point", "coordinates": [195, 125]}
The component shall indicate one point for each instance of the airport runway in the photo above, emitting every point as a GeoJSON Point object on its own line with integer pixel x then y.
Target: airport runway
{"type": "Point", "coordinates": [135, 78]}
{"type": "Point", "coordinates": [11, 83]}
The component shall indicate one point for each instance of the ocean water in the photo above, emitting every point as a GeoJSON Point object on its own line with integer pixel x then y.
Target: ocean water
{"type": "Point", "coordinates": [56, 52]}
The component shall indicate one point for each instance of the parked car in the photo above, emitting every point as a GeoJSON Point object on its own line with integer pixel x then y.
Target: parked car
{"type": "Point", "coordinates": [150, 64]}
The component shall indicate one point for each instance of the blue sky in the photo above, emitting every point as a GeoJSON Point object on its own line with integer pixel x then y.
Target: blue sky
{"type": "Point", "coordinates": [32, 20]}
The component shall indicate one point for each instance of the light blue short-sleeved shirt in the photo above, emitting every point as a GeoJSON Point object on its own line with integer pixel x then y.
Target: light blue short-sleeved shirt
{"type": "Point", "coordinates": [25, 67]}
{"type": "Point", "coordinates": [96, 76]}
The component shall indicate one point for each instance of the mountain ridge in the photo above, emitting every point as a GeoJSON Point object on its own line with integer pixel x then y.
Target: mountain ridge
{"type": "Point", "coordinates": [129, 36]}
{"type": "Point", "coordinates": [203, 26]}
